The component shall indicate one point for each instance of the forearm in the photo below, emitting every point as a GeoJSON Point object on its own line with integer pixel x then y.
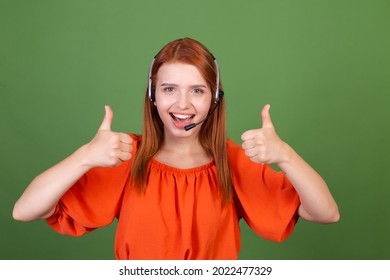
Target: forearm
{"type": "Point", "coordinates": [41, 196]}
{"type": "Point", "coordinates": [317, 203]}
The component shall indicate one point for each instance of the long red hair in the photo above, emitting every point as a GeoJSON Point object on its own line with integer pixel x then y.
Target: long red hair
{"type": "Point", "coordinates": [212, 134]}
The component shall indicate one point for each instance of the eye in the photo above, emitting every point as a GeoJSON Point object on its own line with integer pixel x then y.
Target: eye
{"type": "Point", "coordinates": [169, 89]}
{"type": "Point", "coordinates": [198, 91]}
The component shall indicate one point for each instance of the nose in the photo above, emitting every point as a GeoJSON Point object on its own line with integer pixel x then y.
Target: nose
{"type": "Point", "coordinates": [184, 100]}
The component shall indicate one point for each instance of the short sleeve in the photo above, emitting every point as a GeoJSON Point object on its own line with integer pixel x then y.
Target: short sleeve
{"type": "Point", "coordinates": [265, 198]}
{"type": "Point", "coordinates": [93, 201]}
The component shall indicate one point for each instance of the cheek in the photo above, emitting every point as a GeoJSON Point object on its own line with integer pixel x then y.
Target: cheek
{"type": "Point", "coordinates": [162, 106]}
{"type": "Point", "coordinates": [164, 100]}
{"type": "Point", "coordinates": [161, 103]}
{"type": "Point", "coordinates": [203, 106]}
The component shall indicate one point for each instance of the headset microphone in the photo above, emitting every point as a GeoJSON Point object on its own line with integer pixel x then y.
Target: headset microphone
{"type": "Point", "coordinates": [192, 125]}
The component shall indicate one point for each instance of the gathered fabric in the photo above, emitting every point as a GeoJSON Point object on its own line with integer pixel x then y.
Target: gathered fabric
{"type": "Point", "coordinates": [180, 215]}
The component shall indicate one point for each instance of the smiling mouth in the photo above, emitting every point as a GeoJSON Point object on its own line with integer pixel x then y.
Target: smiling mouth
{"type": "Point", "coordinates": [184, 118]}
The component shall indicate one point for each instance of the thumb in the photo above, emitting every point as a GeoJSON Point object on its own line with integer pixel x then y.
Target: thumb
{"type": "Point", "coordinates": [266, 117]}
{"type": "Point", "coordinates": [106, 123]}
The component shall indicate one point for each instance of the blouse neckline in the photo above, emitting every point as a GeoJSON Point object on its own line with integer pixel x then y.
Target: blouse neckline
{"type": "Point", "coordinates": [167, 168]}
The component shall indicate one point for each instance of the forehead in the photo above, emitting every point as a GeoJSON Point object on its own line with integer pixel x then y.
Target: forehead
{"type": "Point", "coordinates": [179, 73]}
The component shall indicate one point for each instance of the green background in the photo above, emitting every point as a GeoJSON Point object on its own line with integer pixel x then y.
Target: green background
{"type": "Point", "coordinates": [323, 65]}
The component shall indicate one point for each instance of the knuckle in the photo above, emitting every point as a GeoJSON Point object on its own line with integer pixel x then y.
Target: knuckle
{"type": "Point", "coordinates": [128, 156]}
{"type": "Point", "coordinates": [254, 159]}
{"type": "Point", "coordinates": [114, 137]}
{"type": "Point", "coordinates": [115, 161]}
{"type": "Point", "coordinates": [112, 155]}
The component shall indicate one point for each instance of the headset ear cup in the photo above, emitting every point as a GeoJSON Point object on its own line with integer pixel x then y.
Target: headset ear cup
{"type": "Point", "coordinates": [220, 95]}
{"type": "Point", "coordinates": [152, 96]}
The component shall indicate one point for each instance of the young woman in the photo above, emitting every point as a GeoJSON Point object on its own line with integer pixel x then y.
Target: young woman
{"type": "Point", "coordinates": [179, 190]}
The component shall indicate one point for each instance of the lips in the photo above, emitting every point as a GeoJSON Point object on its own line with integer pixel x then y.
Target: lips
{"type": "Point", "coordinates": [181, 117]}
{"type": "Point", "coordinates": [181, 120]}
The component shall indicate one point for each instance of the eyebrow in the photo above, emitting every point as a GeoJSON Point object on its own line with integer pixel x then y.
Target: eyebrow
{"type": "Point", "coordinates": [175, 85]}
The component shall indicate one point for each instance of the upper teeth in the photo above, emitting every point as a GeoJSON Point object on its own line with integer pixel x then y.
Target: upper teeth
{"type": "Point", "coordinates": [179, 116]}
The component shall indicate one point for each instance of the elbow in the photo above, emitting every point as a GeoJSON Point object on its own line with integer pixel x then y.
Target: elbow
{"type": "Point", "coordinates": [19, 215]}
{"type": "Point", "coordinates": [332, 218]}
{"type": "Point", "coordinates": [336, 217]}
{"type": "Point", "coordinates": [22, 214]}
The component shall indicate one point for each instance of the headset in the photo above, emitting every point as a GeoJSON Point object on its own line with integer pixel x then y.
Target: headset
{"type": "Point", "coordinates": [217, 95]}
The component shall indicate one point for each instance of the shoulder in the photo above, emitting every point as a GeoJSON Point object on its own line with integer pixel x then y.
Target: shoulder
{"type": "Point", "coordinates": [237, 158]}
{"type": "Point", "coordinates": [240, 163]}
{"type": "Point", "coordinates": [232, 145]}
{"type": "Point", "coordinates": [233, 149]}
{"type": "Point", "coordinates": [136, 141]}
{"type": "Point", "coordinates": [135, 137]}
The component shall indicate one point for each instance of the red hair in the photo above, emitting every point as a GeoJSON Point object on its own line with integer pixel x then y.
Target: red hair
{"type": "Point", "coordinates": [212, 134]}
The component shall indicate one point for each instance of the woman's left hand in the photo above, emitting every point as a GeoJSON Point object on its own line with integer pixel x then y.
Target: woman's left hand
{"type": "Point", "coordinates": [263, 145]}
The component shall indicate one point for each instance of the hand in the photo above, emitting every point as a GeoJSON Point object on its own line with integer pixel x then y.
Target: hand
{"type": "Point", "coordinates": [108, 148]}
{"type": "Point", "coordinates": [263, 145]}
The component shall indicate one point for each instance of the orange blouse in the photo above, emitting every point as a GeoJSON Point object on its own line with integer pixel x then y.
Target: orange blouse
{"type": "Point", "coordinates": [180, 216]}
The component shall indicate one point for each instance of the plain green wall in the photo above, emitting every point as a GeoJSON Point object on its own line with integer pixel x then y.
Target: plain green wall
{"type": "Point", "coordinates": [323, 65]}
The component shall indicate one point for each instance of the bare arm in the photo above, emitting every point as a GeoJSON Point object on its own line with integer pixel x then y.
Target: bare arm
{"type": "Point", "coordinates": [317, 203]}
{"type": "Point", "coordinates": [107, 148]}
{"type": "Point", "coordinates": [264, 146]}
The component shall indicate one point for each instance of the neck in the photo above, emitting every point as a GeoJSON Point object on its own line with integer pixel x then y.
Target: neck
{"type": "Point", "coordinates": [182, 154]}
{"type": "Point", "coordinates": [184, 146]}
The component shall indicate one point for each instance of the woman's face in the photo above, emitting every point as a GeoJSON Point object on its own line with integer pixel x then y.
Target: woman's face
{"type": "Point", "coordinates": [182, 97]}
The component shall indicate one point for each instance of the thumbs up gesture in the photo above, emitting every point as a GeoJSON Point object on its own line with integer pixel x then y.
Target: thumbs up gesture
{"type": "Point", "coordinates": [108, 148]}
{"type": "Point", "coordinates": [263, 145]}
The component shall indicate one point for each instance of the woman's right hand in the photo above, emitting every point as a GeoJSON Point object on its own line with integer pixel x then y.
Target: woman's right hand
{"type": "Point", "coordinates": [108, 148]}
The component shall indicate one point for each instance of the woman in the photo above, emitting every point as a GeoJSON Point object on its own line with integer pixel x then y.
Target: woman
{"type": "Point", "coordinates": [179, 190]}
